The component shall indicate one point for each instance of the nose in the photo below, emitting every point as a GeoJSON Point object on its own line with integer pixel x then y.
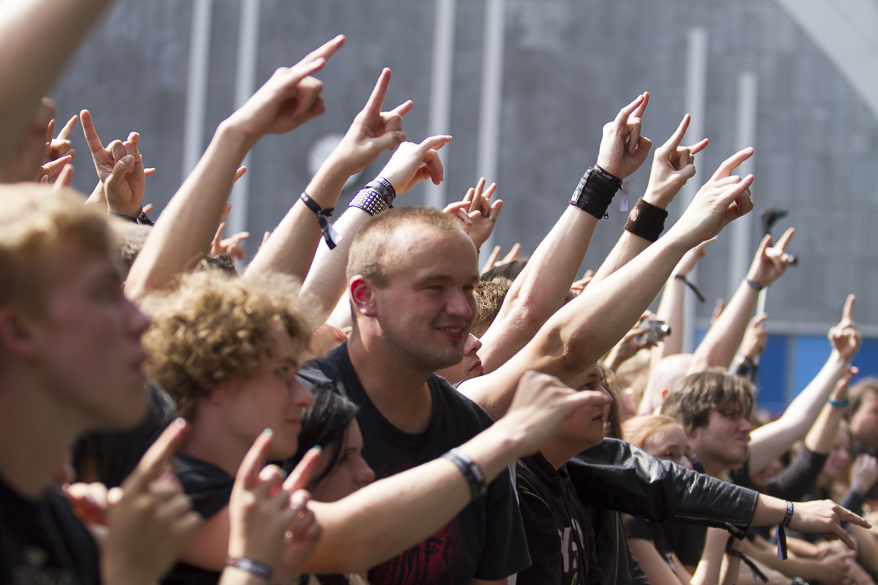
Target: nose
{"type": "Point", "coordinates": [473, 344]}
{"type": "Point", "coordinates": [461, 304]}
{"type": "Point", "coordinates": [364, 474]}
{"type": "Point", "coordinates": [138, 322]}
{"type": "Point", "coordinates": [302, 397]}
{"type": "Point", "coordinates": [746, 425]}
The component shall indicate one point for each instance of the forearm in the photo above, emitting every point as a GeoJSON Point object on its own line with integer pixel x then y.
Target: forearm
{"type": "Point", "coordinates": [710, 565]}
{"type": "Point", "coordinates": [627, 247]}
{"type": "Point", "coordinates": [587, 327]}
{"type": "Point", "coordinates": [37, 37]}
{"type": "Point", "coordinates": [186, 227]}
{"type": "Point", "coordinates": [772, 440]}
{"type": "Point", "coordinates": [541, 287]}
{"type": "Point", "coordinates": [291, 247]}
{"type": "Point", "coordinates": [671, 310]}
{"type": "Point", "coordinates": [325, 284]}
{"type": "Point", "coordinates": [389, 516]}
{"type": "Point", "coordinates": [821, 436]}
{"type": "Point", "coordinates": [722, 340]}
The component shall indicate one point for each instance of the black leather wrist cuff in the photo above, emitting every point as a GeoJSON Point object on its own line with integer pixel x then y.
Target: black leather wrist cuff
{"type": "Point", "coordinates": [595, 192]}
{"type": "Point", "coordinates": [646, 220]}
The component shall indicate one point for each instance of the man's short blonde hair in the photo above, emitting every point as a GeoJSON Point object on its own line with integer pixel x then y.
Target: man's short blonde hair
{"type": "Point", "coordinates": [35, 220]}
{"type": "Point", "coordinates": [369, 249]}
{"type": "Point", "coordinates": [212, 328]}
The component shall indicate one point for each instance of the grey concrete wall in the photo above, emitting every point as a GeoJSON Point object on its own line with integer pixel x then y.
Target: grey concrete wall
{"type": "Point", "coordinates": [569, 65]}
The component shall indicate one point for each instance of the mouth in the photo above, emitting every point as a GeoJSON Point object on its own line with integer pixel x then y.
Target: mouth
{"type": "Point", "coordinates": [599, 418]}
{"type": "Point", "coordinates": [477, 367]}
{"type": "Point", "coordinates": [455, 333]}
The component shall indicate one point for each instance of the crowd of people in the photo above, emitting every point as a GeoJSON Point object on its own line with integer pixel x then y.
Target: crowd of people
{"type": "Point", "coordinates": [364, 403]}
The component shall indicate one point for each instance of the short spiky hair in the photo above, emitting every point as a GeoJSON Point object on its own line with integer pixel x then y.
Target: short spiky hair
{"type": "Point", "coordinates": [368, 255]}
{"type": "Point", "coordinates": [691, 399]}
{"type": "Point", "coordinates": [34, 220]}
{"type": "Point", "coordinates": [212, 328]}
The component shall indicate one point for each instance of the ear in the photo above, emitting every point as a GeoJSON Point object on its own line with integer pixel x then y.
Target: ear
{"type": "Point", "coordinates": [362, 298]}
{"type": "Point", "coordinates": [17, 333]}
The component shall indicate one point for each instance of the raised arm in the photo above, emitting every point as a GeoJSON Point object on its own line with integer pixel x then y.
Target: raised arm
{"type": "Point", "coordinates": [722, 340]}
{"type": "Point", "coordinates": [543, 285]}
{"type": "Point", "coordinates": [409, 165]}
{"type": "Point", "coordinates": [770, 441]}
{"type": "Point", "coordinates": [392, 514]}
{"type": "Point", "coordinates": [37, 37]}
{"type": "Point", "coordinates": [577, 335]}
{"type": "Point", "coordinates": [187, 226]}
{"type": "Point", "coordinates": [293, 243]}
{"type": "Point", "coordinates": [672, 166]}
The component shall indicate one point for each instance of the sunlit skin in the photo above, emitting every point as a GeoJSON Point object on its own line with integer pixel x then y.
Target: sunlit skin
{"type": "Point", "coordinates": [88, 339]}
{"type": "Point", "coordinates": [469, 367]}
{"type": "Point", "coordinates": [351, 472]}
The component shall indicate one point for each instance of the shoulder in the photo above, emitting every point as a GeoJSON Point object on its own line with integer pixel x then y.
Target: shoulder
{"type": "Point", "coordinates": [459, 404]}
{"type": "Point", "coordinates": [325, 369]}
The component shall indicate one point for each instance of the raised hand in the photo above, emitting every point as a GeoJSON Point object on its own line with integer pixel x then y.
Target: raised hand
{"type": "Point", "coordinates": [864, 473]}
{"type": "Point", "coordinates": [845, 337]}
{"type": "Point", "coordinates": [288, 99]}
{"type": "Point", "coordinates": [824, 517]}
{"type": "Point", "coordinates": [541, 404]}
{"type": "Point", "coordinates": [59, 146]}
{"type": "Point", "coordinates": [623, 149]}
{"type": "Point", "coordinates": [372, 131]}
{"type": "Point", "coordinates": [769, 264]}
{"type": "Point", "coordinates": [231, 245]}
{"type": "Point", "coordinates": [691, 258]}
{"type": "Point", "coordinates": [150, 518]}
{"type": "Point", "coordinates": [477, 212]}
{"type": "Point", "coordinates": [672, 166]}
{"type": "Point", "coordinates": [119, 167]}
{"type": "Point", "coordinates": [262, 510]}
{"type": "Point", "coordinates": [413, 163]}
{"type": "Point", "coordinates": [755, 337]}
{"type": "Point", "coordinates": [511, 255]}
{"type": "Point", "coordinates": [724, 198]}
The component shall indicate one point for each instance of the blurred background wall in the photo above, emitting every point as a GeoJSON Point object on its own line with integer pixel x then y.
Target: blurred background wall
{"type": "Point", "coordinates": [525, 86]}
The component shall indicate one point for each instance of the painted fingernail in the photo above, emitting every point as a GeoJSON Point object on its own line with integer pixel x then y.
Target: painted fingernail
{"type": "Point", "coordinates": [268, 432]}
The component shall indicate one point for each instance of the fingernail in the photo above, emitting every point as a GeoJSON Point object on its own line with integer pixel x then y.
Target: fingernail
{"type": "Point", "coordinates": [317, 448]}
{"type": "Point", "coordinates": [180, 422]}
{"type": "Point", "coordinates": [128, 159]}
{"type": "Point", "coordinates": [268, 432]}
{"type": "Point", "coordinates": [284, 473]}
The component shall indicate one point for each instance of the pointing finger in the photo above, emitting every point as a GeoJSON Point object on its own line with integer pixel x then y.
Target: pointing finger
{"type": "Point", "coordinates": [301, 475]}
{"type": "Point", "coordinates": [847, 313]}
{"type": "Point", "coordinates": [731, 163]}
{"type": "Point", "coordinates": [91, 134]}
{"type": "Point", "coordinates": [157, 457]}
{"type": "Point", "coordinates": [376, 99]}
{"type": "Point", "coordinates": [679, 133]}
{"type": "Point", "coordinates": [625, 113]}
{"type": "Point", "coordinates": [785, 239]}
{"type": "Point", "coordinates": [65, 131]}
{"type": "Point", "coordinates": [699, 146]}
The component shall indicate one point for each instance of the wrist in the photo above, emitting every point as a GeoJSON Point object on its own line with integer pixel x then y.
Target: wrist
{"type": "Point", "coordinates": [232, 135]}
{"type": "Point", "coordinates": [650, 196]}
{"type": "Point", "coordinates": [129, 211]}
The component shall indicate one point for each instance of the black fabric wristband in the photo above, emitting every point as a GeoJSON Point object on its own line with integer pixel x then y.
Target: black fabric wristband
{"type": "Point", "coordinates": [646, 220]}
{"type": "Point", "coordinates": [141, 218]}
{"type": "Point", "coordinates": [595, 192]}
{"type": "Point", "coordinates": [323, 215]}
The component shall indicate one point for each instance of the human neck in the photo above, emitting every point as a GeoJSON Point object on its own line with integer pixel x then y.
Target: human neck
{"type": "Point", "coordinates": [558, 451]}
{"type": "Point", "coordinates": [209, 441]}
{"type": "Point", "coordinates": [36, 431]}
{"type": "Point", "coordinates": [712, 467]}
{"type": "Point", "coordinates": [399, 392]}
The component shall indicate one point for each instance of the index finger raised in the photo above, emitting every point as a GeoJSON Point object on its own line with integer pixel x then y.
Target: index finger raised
{"type": "Point", "coordinates": [326, 50]}
{"type": "Point", "coordinates": [158, 456]}
{"type": "Point", "coordinates": [91, 134]}
{"type": "Point", "coordinates": [301, 474]}
{"type": "Point", "coordinates": [677, 137]}
{"type": "Point", "coordinates": [847, 313]}
{"type": "Point", "coordinates": [785, 239]}
{"type": "Point", "coordinates": [255, 459]}
{"type": "Point", "coordinates": [65, 131]}
{"type": "Point", "coordinates": [625, 113]}
{"type": "Point", "coordinates": [376, 99]}
{"type": "Point", "coordinates": [731, 163]}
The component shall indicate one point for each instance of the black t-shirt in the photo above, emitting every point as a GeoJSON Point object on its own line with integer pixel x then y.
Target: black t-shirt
{"type": "Point", "coordinates": [559, 536]}
{"type": "Point", "coordinates": [210, 489]}
{"type": "Point", "coordinates": [486, 540]}
{"type": "Point", "coordinates": [637, 527]}
{"type": "Point", "coordinates": [43, 543]}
